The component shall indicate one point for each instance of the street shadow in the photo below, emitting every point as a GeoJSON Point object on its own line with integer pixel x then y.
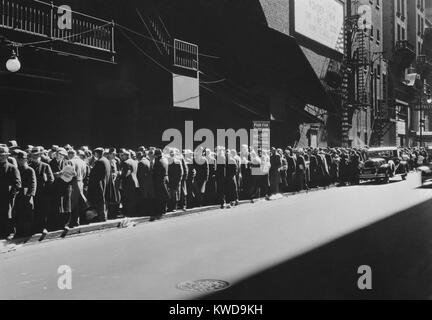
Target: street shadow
{"type": "Point", "coordinates": [398, 249]}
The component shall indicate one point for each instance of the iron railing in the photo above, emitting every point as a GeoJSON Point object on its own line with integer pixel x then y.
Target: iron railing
{"type": "Point", "coordinates": [41, 19]}
{"type": "Point", "coordinates": [186, 55]}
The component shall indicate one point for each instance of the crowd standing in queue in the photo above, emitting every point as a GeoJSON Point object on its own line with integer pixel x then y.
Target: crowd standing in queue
{"type": "Point", "coordinates": [44, 190]}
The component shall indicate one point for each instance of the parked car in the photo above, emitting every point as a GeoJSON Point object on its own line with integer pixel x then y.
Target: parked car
{"type": "Point", "coordinates": [426, 169]}
{"type": "Point", "coordinates": [383, 164]}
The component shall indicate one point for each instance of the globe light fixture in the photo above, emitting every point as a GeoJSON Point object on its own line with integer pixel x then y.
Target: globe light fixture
{"type": "Point", "coordinates": [13, 64]}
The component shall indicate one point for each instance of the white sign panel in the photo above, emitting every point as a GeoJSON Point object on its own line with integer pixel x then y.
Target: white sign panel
{"type": "Point", "coordinates": [186, 92]}
{"type": "Point", "coordinates": [321, 21]}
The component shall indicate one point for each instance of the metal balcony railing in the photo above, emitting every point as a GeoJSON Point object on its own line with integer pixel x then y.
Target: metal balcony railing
{"type": "Point", "coordinates": [41, 19]}
{"type": "Point", "coordinates": [186, 55]}
{"type": "Point", "coordinates": [423, 59]}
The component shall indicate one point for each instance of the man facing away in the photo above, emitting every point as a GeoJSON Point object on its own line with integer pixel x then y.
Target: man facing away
{"type": "Point", "coordinates": [101, 185]}
{"type": "Point", "coordinates": [43, 197]}
{"type": "Point", "coordinates": [10, 184]}
{"type": "Point", "coordinates": [24, 204]}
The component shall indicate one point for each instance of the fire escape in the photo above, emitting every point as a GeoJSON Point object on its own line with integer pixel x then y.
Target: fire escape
{"type": "Point", "coordinates": [159, 33]}
{"type": "Point", "coordinates": [38, 25]}
{"type": "Point", "coordinates": [355, 73]}
{"type": "Point", "coordinates": [386, 114]}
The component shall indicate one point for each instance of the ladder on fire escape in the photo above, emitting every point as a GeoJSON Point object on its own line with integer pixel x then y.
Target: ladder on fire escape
{"type": "Point", "coordinates": [159, 33]}
{"type": "Point", "coordinates": [363, 69]}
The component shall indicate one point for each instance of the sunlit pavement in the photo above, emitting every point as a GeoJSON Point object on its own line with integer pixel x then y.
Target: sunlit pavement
{"type": "Point", "coordinates": [303, 246]}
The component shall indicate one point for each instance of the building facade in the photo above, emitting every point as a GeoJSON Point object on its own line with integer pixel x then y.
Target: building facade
{"type": "Point", "coordinates": [69, 90]}
{"type": "Point", "coordinates": [404, 26]}
{"type": "Point", "coordinates": [368, 72]}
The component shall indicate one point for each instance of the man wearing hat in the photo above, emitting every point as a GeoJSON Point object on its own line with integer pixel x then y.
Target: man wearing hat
{"type": "Point", "coordinates": [10, 184]}
{"type": "Point", "coordinates": [10, 159]}
{"type": "Point", "coordinates": [114, 207]}
{"type": "Point", "coordinates": [145, 181]}
{"type": "Point", "coordinates": [160, 182]}
{"type": "Point", "coordinates": [24, 204]}
{"type": "Point", "coordinates": [43, 197]}
{"type": "Point", "coordinates": [63, 171]}
{"type": "Point", "coordinates": [12, 145]}
{"type": "Point", "coordinates": [129, 184]}
{"type": "Point", "coordinates": [101, 185]}
{"type": "Point", "coordinates": [78, 200]}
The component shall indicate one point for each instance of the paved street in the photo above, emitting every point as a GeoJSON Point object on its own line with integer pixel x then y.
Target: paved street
{"type": "Point", "coordinates": [304, 246]}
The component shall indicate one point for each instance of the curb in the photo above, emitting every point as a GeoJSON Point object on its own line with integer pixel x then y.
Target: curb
{"type": "Point", "coordinates": [12, 245]}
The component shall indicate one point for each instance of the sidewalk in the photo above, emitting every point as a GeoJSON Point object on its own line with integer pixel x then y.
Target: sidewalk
{"type": "Point", "coordinates": [13, 245]}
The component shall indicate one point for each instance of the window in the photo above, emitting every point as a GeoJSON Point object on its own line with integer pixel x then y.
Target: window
{"type": "Point", "coordinates": [378, 71]}
{"type": "Point", "coordinates": [403, 33]}
{"type": "Point", "coordinates": [371, 35]}
{"type": "Point", "coordinates": [378, 39]}
{"type": "Point", "coordinates": [398, 32]}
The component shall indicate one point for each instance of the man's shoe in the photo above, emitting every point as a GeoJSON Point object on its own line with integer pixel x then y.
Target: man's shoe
{"type": "Point", "coordinates": [10, 237]}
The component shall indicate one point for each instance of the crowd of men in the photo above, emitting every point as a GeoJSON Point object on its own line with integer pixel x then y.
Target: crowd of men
{"type": "Point", "coordinates": [59, 188]}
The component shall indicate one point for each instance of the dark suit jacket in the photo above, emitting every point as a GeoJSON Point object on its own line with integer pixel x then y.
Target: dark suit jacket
{"type": "Point", "coordinates": [101, 185]}
{"type": "Point", "coordinates": [129, 178]}
{"type": "Point", "coordinates": [44, 177]}
{"type": "Point", "coordinates": [145, 179]}
{"type": "Point", "coordinates": [10, 180]}
{"type": "Point", "coordinates": [10, 184]}
{"type": "Point", "coordinates": [160, 179]}
{"type": "Point", "coordinates": [28, 181]}
{"type": "Point", "coordinates": [175, 174]}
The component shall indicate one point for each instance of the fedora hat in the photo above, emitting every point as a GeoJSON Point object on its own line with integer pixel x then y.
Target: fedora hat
{"type": "Point", "coordinates": [12, 145]}
{"type": "Point", "coordinates": [36, 151]}
{"type": "Point", "coordinates": [4, 151]}
{"type": "Point", "coordinates": [62, 151]}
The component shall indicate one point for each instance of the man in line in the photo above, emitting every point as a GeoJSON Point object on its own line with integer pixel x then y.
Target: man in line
{"type": "Point", "coordinates": [78, 199]}
{"type": "Point", "coordinates": [101, 185]}
{"type": "Point", "coordinates": [10, 184]}
{"type": "Point", "coordinates": [129, 184]}
{"type": "Point", "coordinates": [145, 181]}
{"type": "Point", "coordinates": [161, 183]}
{"type": "Point", "coordinates": [24, 204]}
{"type": "Point", "coordinates": [43, 196]}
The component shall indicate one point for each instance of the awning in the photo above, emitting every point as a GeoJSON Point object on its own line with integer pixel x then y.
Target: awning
{"type": "Point", "coordinates": [273, 59]}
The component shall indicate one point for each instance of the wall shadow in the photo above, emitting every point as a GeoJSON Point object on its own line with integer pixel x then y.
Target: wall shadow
{"type": "Point", "coordinates": [398, 249]}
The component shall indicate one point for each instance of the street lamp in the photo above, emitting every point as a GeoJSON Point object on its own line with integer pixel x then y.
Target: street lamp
{"type": "Point", "coordinates": [13, 64]}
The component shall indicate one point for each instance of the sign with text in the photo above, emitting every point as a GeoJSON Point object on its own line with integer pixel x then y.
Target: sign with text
{"type": "Point", "coordinates": [321, 21]}
{"type": "Point", "coordinates": [261, 135]}
{"type": "Point", "coordinates": [425, 107]}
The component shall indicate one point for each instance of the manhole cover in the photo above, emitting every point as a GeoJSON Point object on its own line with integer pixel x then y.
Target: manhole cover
{"type": "Point", "coordinates": [207, 285]}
